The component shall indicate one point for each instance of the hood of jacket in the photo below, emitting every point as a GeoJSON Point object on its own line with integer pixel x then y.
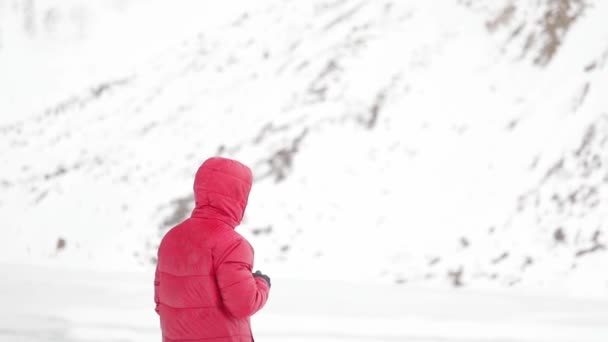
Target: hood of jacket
{"type": "Point", "coordinates": [221, 190]}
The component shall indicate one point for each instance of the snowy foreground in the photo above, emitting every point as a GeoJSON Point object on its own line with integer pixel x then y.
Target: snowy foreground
{"type": "Point", "coordinates": [44, 304]}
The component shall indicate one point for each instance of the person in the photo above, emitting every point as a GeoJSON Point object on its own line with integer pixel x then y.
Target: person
{"type": "Point", "coordinates": [204, 288]}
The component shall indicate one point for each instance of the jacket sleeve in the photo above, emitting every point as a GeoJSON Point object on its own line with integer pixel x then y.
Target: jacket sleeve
{"type": "Point", "coordinates": [156, 284]}
{"type": "Point", "coordinates": [242, 294]}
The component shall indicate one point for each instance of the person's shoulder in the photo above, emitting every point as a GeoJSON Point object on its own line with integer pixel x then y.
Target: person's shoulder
{"type": "Point", "coordinates": [232, 239]}
{"type": "Point", "coordinates": [171, 232]}
{"type": "Point", "coordinates": [233, 246]}
{"type": "Point", "coordinates": [231, 236]}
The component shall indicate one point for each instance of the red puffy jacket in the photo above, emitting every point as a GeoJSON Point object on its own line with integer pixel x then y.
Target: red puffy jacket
{"type": "Point", "coordinates": [204, 289]}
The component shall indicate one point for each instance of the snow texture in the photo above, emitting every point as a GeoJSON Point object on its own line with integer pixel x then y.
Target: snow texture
{"type": "Point", "coordinates": [47, 304]}
{"type": "Point", "coordinates": [439, 143]}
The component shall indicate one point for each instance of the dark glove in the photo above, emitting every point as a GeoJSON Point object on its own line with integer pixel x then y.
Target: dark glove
{"type": "Point", "coordinates": [263, 276]}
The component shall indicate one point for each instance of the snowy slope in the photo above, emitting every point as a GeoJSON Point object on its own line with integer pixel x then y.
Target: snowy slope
{"type": "Point", "coordinates": [49, 49]}
{"type": "Point", "coordinates": [400, 142]}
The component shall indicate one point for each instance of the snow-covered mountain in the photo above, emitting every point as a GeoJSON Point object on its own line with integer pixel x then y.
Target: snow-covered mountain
{"type": "Point", "coordinates": [438, 142]}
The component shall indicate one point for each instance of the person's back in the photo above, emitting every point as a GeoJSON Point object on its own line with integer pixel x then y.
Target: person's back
{"type": "Point", "coordinates": [204, 287]}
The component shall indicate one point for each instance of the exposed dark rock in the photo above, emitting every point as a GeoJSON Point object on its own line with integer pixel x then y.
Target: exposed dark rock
{"type": "Point", "coordinates": [502, 19]}
{"type": "Point", "coordinates": [182, 207]}
{"type": "Point", "coordinates": [455, 276]}
{"type": "Point", "coordinates": [464, 242]}
{"type": "Point", "coordinates": [262, 231]}
{"type": "Point", "coordinates": [500, 258]}
{"type": "Point", "coordinates": [61, 244]}
{"type": "Point", "coordinates": [559, 236]}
